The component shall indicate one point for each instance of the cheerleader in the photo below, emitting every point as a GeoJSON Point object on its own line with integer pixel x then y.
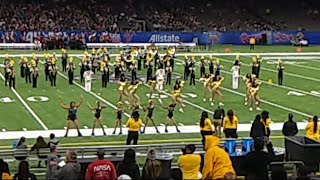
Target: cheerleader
{"type": "Point", "coordinates": [247, 80]}
{"type": "Point", "coordinates": [254, 93]}
{"type": "Point", "coordinates": [170, 117]}
{"type": "Point", "coordinates": [202, 67]}
{"type": "Point", "coordinates": [119, 112]}
{"type": "Point", "coordinates": [64, 58]}
{"type": "Point", "coordinates": [122, 90]}
{"type": "Point", "coordinates": [235, 74]}
{"type": "Point", "coordinates": [97, 116]}
{"type": "Point", "coordinates": [72, 115]}
{"type": "Point", "coordinates": [177, 94]}
{"type": "Point", "coordinates": [206, 85]}
{"type": "Point", "coordinates": [152, 84]}
{"type": "Point", "coordinates": [70, 68]}
{"type": "Point", "coordinates": [149, 116]}
{"type": "Point", "coordinates": [186, 68]}
{"type": "Point", "coordinates": [135, 99]}
{"type": "Point", "coordinates": [217, 80]}
{"type": "Point", "coordinates": [22, 67]}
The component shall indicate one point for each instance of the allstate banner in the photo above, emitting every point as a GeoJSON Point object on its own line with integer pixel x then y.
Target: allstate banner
{"type": "Point", "coordinates": [203, 38]}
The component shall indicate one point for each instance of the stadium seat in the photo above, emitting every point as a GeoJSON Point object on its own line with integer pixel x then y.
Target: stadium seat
{"type": "Point", "coordinates": [247, 144]}
{"type": "Point", "coordinates": [230, 147]}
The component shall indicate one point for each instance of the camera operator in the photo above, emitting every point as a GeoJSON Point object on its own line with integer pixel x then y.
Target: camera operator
{"type": "Point", "coordinates": [189, 163]}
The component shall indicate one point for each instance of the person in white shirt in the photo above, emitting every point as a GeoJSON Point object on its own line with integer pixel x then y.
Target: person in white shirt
{"type": "Point", "coordinates": [160, 74]}
{"type": "Point", "coordinates": [88, 79]}
{"type": "Point", "coordinates": [235, 74]}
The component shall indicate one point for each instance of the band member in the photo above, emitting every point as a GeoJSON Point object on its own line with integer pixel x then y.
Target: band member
{"type": "Point", "coordinates": [133, 69]}
{"type": "Point", "coordinates": [47, 64]}
{"type": "Point", "coordinates": [95, 63]}
{"type": "Point", "coordinates": [149, 60]}
{"type": "Point", "coordinates": [171, 53]}
{"type": "Point", "coordinates": [170, 117]}
{"type": "Point", "coordinates": [168, 70]}
{"type": "Point", "coordinates": [186, 68]}
{"type": "Point", "coordinates": [122, 88]}
{"type": "Point", "coordinates": [64, 58]}
{"type": "Point", "coordinates": [119, 112]}
{"type": "Point", "coordinates": [22, 67]}
{"type": "Point", "coordinates": [259, 61]}
{"type": "Point", "coordinates": [35, 75]}
{"type": "Point", "coordinates": [88, 79]}
{"type": "Point", "coordinates": [97, 116]}
{"type": "Point", "coordinates": [217, 68]}
{"type": "Point", "coordinates": [160, 73]}
{"type": "Point", "coordinates": [254, 89]}
{"type": "Point", "coordinates": [104, 68]}
{"type": "Point", "coordinates": [135, 99]}
{"type": "Point", "coordinates": [206, 85]}
{"type": "Point", "coordinates": [235, 75]}
{"type": "Point", "coordinates": [70, 68]}
{"type": "Point", "coordinates": [7, 65]}
{"type": "Point", "coordinates": [149, 70]}
{"type": "Point", "coordinates": [177, 94]}
{"type": "Point", "coordinates": [217, 81]}
{"type": "Point", "coordinates": [192, 75]}
{"type": "Point", "coordinates": [255, 65]}
{"type": "Point", "coordinates": [12, 78]}
{"type": "Point", "coordinates": [202, 67]}
{"type": "Point", "coordinates": [83, 65]}
{"type": "Point", "coordinates": [118, 67]}
{"type": "Point", "coordinates": [53, 70]}
{"type": "Point", "coordinates": [27, 71]}
{"type": "Point", "coordinates": [72, 114]}
{"type": "Point", "coordinates": [280, 68]}
{"type": "Point", "coordinates": [211, 65]}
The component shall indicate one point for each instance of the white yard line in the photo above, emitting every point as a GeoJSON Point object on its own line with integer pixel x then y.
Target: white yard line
{"type": "Point", "coordinates": [187, 129]}
{"type": "Point", "coordinates": [275, 71]}
{"type": "Point", "coordinates": [276, 85]}
{"type": "Point", "coordinates": [35, 116]}
{"type": "Point", "coordinates": [92, 93]}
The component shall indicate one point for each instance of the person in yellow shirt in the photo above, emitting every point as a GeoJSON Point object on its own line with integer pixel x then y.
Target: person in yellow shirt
{"type": "Point", "coordinates": [230, 125]}
{"type": "Point", "coordinates": [189, 163]}
{"type": "Point", "coordinates": [217, 162]}
{"type": "Point", "coordinates": [252, 42]}
{"type": "Point", "coordinates": [205, 125]}
{"type": "Point", "coordinates": [313, 129]}
{"type": "Point", "coordinates": [134, 124]}
{"type": "Point", "coordinates": [266, 121]}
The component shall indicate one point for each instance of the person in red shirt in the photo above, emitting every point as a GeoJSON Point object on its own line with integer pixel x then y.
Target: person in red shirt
{"type": "Point", "coordinates": [101, 169]}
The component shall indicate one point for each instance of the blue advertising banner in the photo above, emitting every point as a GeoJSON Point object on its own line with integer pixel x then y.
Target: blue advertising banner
{"type": "Point", "coordinates": [203, 38]}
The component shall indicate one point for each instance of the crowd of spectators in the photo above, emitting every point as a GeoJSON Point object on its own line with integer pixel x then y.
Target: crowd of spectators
{"type": "Point", "coordinates": [141, 15]}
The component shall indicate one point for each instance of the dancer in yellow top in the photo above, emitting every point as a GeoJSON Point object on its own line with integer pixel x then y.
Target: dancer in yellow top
{"type": "Point", "coordinates": [247, 80]}
{"type": "Point", "coordinates": [254, 89]}
{"type": "Point", "coordinates": [134, 97]}
{"type": "Point", "coordinates": [215, 89]}
{"type": "Point", "coordinates": [177, 94]}
{"type": "Point", "coordinates": [122, 90]}
{"type": "Point", "coordinates": [206, 85]}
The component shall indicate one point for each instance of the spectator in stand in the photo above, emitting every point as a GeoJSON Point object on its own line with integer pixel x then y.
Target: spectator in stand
{"type": "Point", "coordinates": [152, 169]}
{"type": "Point", "coordinates": [52, 163]}
{"type": "Point", "coordinates": [21, 144]}
{"type": "Point", "coordinates": [189, 163]}
{"type": "Point", "coordinates": [256, 162]}
{"type": "Point", "coordinates": [40, 144]}
{"type": "Point", "coordinates": [258, 130]}
{"type": "Point", "coordinates": [176, 174]}
{"type": "Point", "coordinates": [279, 173]}
{"type": "Point", "coordinates": [266, 120]}
{"type": "Point", "coordinates": [313, 129]}
{"type": "Point", "coordinates": [290, 127]}
{"type": "Point", "coordinates": [217, 161]}
{"type": "Point", "coordinates": [71, 169]}
{"type": "Point", "coordinates": [128, 165]}
{"type": "Point", "coordinates": [302, 173]}
{"type": "Point", "coordinates": [205, 125]}
{"type": "Point", "coordinates": [101, 169]}
{"type": "Point", "coordinates": [230, 176]}
{"type": "Point", "coordinates": [230, 125]}
{"type": "Point", "coordinates": [53, 141]}
{"type": "Point", "coordinates": [4, 171]}
{"type": "Point", "coordinates": [23, 172]}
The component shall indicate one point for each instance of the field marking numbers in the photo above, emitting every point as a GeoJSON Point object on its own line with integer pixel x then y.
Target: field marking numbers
{"type": "Point", "coordinates": [35, 116]}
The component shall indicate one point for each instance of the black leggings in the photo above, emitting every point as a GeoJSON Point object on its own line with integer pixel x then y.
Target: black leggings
{"type": "Point", "coordinates": [205, 133]}
{"type": "Point", "coordinates": [231, 133]}
{"type": "Point", "coordinates": [132, 135]}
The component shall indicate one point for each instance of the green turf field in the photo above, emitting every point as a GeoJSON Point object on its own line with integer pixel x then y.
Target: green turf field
{"type": "Point", "coordinates": [301, 75]}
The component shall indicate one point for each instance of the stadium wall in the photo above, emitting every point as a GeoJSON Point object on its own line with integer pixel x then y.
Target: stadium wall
{"type": "Point", "coordinates": [203, 38]}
